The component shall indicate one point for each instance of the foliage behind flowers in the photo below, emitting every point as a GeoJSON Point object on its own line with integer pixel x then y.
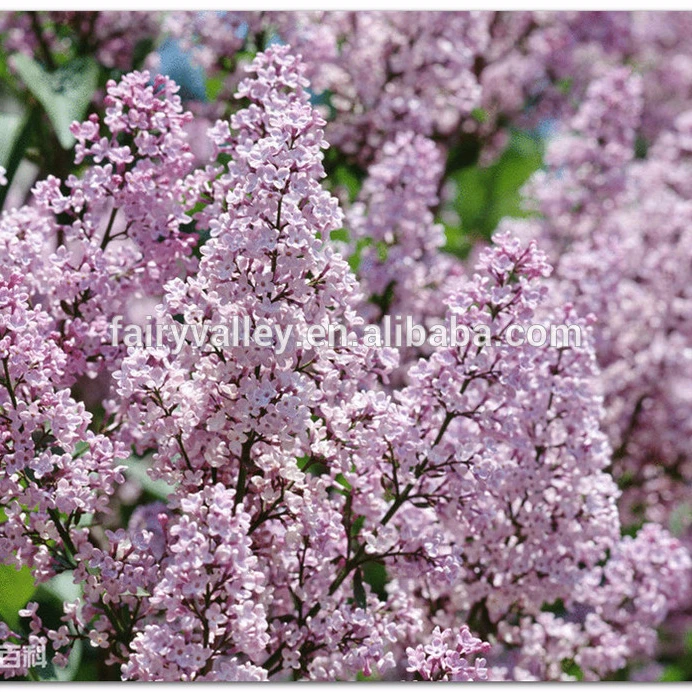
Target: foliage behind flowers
{"type": "Point", "coordinates": [468, 512]}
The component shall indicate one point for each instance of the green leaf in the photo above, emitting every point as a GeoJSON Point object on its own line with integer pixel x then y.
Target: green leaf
{"type": "Point", "coordinates": [341, 480]}
{"type": "Point", "coordinates": [641, 147]}
{"type": "Point", "coordinates": [375, 574]}
{"type": "Point", "coordinates": [53, 673]}
{"type": "Point", "coordinates": [355, 258]}
{"type": "Point", "coordinates": [357, 525]}
{"type": "Point", "coordinates": [16, 145]}
{"type": "Point", "coordinates": [672, 673]}
{"type": "Point", "coordinates": [488, 194]}
{"type": "Point", "coordinates": [64, 94]}
{"type": "Point", "coordinates": [16, 588]}
{"type": "Point", "coordinates": [213, 88]}
{"type": "Point", "coordinates": [137, 469]}
{"type": "Point", "coordinates": [681, 519]}
{"type": "Point", "coordinates": [359, 590]}
{"type": "Point", "coordinates": [142, 50]}
{"type": "Point", "coordinates": [479, 114]}
{"type": "Point", "coordinates": [564, 86]}
{"type": "Point", "coordinates": [341, 235]}
{"type": "Point", "coordinates": [74, 661]}
{"type": "Point", "coordinates": [62, 587]}
{"type": "Point", "coordinates": [571, 668]}
{"type": "Point", "coordinates": [688, 642]}
{"type": "Point", "coordinates": [347, 178]}
{"type": "Point", "coordinates": [10, 126]}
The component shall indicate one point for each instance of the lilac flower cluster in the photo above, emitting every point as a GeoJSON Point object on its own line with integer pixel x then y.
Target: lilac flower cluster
{"type": "Point", "coordinates": [617, 231]}
{"type": "Point", "coordinates": [600, 209]}
{"type": "Point", "coordinates": [401, 266]}
{"type": "Point", "coordinates": [443, 658]}
{"type": "Point", "coordinates": [469, 512]}
{"type": "Point", "coordinates": [55, 470]}
{"type": "Point", "coordinates": [117, 227]}
{"type": "Point", "coordinates": [457, 76]}
{"type": "Point", "coordinates": [110, 37]}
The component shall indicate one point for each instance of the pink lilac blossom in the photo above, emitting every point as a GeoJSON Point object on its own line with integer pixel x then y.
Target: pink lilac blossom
{"type": "Point", "coordinates": [660, 42]}
{"type": "Point", "coordinates": [240, 418]}
{"type": "Point", "coordinates": [529, 441]}
{"type": "Point", "coordinates": [617, 230]}
{"type": "Point", "coordinates": [204, 442]}
{"type": "Point", "coordinates": [54, 469]}
{"type": "Point", "coordinates": [118, 227]}
{"type": "Point", "coordinates": [56, 314]}
{"type": "Point", "coordinates": [530, 426]}
{"type": "Point", "coordinates": [390, 72]}
{"type": "Point", "coordinates": [387, 72]}
{"type": "Point", "coordinates": [445, 657]}
{"type": "Point", "coordinates": [393, 234]}
{"type": "Point", "coordinates": [454, 76]}
{"type": "Point", "coordinates": [209, 594]}
{"type": "Point", "coordinates": [612, 615]}
{"type": "Point", "coordinates": [111, 37]}
{"type": "Point", "coordinates": [401, 266]}
{"type": "Point", "coordinates": [601, 210]}
{"type": "Point", "coordinates": [213, 39]}
{"type": "Point", "coordinates": [481, 489]}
